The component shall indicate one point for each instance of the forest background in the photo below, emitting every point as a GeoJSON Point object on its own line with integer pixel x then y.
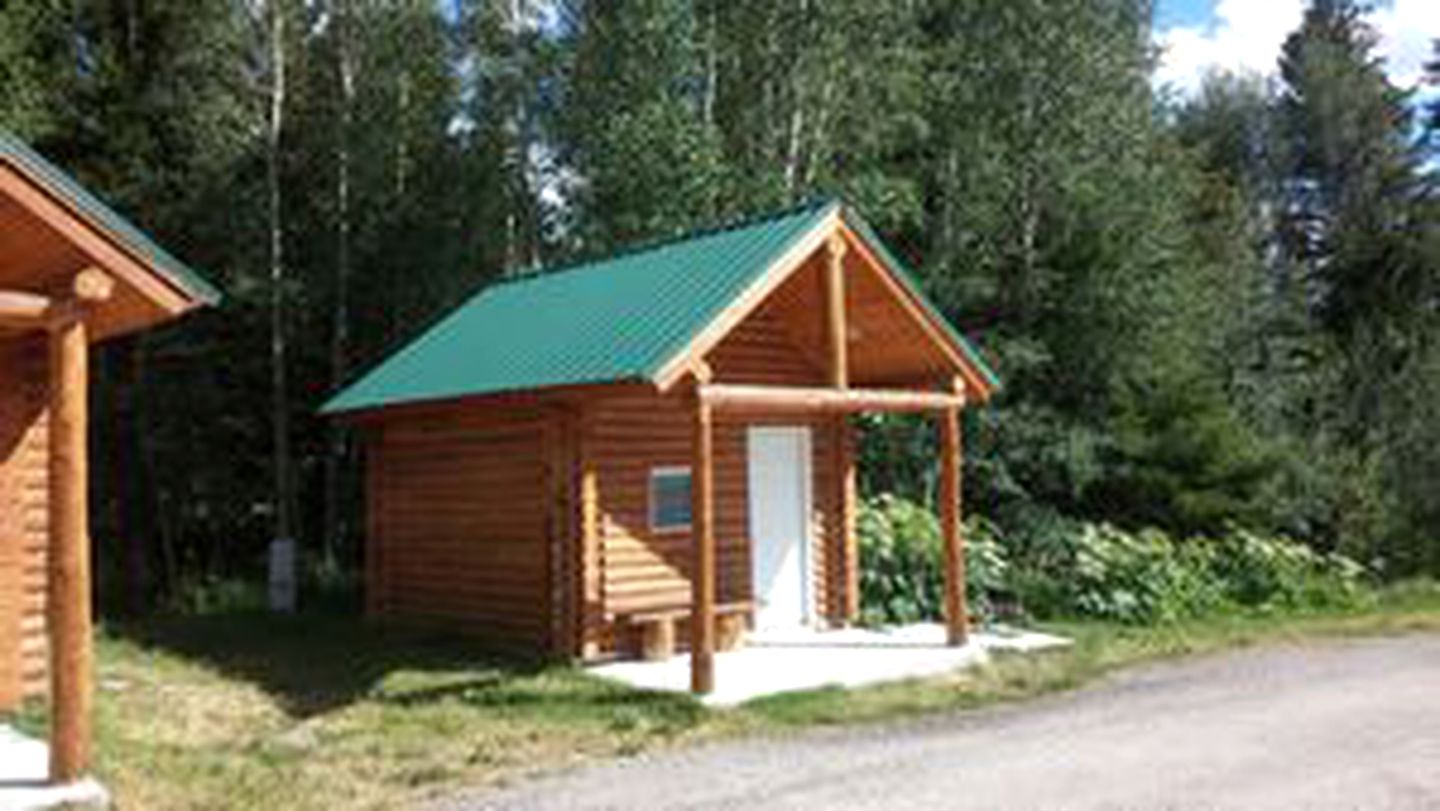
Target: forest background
{"type": "Point", "coordinates": [1212, 310]}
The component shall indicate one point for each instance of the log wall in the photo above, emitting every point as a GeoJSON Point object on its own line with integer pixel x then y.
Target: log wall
{"type": "Point", "coordinates": [528, 522]}
{"type": "Point", "coordinates": [460, 523]}
{"type": "Point", "coordinates": [23, 518]}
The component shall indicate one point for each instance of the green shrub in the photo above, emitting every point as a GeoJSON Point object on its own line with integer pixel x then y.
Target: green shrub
{"type": "Point", "coordinates": [1146, 577]}
{"type": "Point", "coordinates": [1280, 574]}
{"type": "Point", "coordinates": [1093, 570]}
{"type": "Point", "coordinates": [902, 573]}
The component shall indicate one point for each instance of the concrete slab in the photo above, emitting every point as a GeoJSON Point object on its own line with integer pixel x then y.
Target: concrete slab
{"type": "Point", "coordinates": [774, 662]}
{"type": "Point", "coordinates": [24, 763]}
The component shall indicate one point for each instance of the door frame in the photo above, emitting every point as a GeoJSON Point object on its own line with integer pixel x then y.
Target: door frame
{"type": "Point", "coordinates": [806, 473]}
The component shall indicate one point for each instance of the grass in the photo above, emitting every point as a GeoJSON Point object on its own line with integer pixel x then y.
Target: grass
{"type": "Point", "coordinates": [233, 711]}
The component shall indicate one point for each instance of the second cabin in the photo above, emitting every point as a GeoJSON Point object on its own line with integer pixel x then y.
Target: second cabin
{"type": "Point", "coordinates": [654, 451]}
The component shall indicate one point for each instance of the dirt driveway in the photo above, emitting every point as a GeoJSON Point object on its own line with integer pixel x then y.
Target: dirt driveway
{"type": "Point", "coordinates": [1327, 725]}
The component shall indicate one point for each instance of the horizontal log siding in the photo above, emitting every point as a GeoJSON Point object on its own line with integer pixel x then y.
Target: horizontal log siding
{"type": "Point", "coordinates": [459, 524]}
{"type": "Point", "coordinates": [24, 520]}
{"type": "Point", "coordinates": [762, 350]}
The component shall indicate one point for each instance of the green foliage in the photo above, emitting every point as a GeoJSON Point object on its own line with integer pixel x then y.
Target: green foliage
{"type": "Point", "coordinates": [1148, 576]}
{"type": "Point", "coordinates": [1095, 570]}
{"type": "Point", "coordinates": [902, 573]}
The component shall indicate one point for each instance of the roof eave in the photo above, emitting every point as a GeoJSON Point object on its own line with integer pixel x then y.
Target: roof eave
{"type": "Point", "coordinates": [187, 283]}
{"type": "Point", "coordinates": [376, 411]}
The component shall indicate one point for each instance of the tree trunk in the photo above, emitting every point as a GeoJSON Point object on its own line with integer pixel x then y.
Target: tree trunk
{"type": "Point", "coordinates": [279, 383]}
{"type": "Point", "coordinates": [340, 314]}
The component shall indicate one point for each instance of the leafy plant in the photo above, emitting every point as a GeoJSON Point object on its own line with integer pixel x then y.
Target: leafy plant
{"type": "Point", "coordinates": [1093, 570]}
{"type": "Point", "coordinates": [902, 572]}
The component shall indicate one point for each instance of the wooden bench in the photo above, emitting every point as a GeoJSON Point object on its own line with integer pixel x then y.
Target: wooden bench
{"type": "Point", "coordinates": [657, 628]}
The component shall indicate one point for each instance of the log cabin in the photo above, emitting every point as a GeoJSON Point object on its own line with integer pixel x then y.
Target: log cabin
{"type": "Point", "coordinates": [72, 273]}
{"type": "Point", "coordinates": [656, 449]}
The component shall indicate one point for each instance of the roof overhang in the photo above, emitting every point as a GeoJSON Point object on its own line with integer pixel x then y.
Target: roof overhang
{"type": "Point", "coordinates": [52, 229]}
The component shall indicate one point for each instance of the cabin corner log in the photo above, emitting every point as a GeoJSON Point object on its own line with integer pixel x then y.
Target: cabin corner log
{"type": "Point", "coordinates": [93, 286]}
{"type": "Point", "coordinates": [702, 532]}
{"type": "Point", "coordinates": [69, 583]}
{"type": "Point", "coordinates": [956, 621]}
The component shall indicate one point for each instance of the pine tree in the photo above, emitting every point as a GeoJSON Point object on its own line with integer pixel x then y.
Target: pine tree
{"type": "Point", "coordinates": [1352, 177]}
{"type": "Point", "coordinates": [1353, 237]}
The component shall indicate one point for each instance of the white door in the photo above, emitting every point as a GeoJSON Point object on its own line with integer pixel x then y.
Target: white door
{"type": "Point", "coordinates": [779, 485]}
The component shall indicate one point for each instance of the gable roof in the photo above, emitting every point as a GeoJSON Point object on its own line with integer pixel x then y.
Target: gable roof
{"type": "Point", "coordinates": [619, 319]}
{"type": "Point", "coordinates": [94, 211]}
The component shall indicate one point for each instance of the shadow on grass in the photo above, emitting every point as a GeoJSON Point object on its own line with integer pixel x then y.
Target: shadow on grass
{"type": "Point", "coordinates": [313, 663]}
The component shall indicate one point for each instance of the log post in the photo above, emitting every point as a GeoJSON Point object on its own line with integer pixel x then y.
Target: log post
{"type": "Point", "coordinates": [849, 608]}
{"type": "Point", "coordinates": [835, 312]}
{"type": "Point", "coordinates": [702, 533]}
{"type": "Point", "coordinates": [956, 620]}
{"type": "Point", "coordinates": [68, 598]}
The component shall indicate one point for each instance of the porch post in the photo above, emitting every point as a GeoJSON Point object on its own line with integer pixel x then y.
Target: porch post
{"type": "Point", "coordinates": [950, 451]}
{"type": "Point", "coordinates": [849, 608]}
{"type": "Point", "coordinates": [68, 597]}
{"type": "Point", "coordinates": [702, 533]}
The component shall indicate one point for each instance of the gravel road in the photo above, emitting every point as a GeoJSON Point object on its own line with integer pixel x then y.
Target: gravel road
{"type": "Point", "coordinates": [1326, 725]}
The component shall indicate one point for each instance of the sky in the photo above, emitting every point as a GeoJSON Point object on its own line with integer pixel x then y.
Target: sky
{"type": "Point", "coordinates": [1245, 35]}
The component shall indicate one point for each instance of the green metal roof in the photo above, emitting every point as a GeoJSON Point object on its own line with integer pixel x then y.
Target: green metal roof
{"type": "Point", "coordinates": [97, 213]}
{"type": "Point", "coordinates": [617, 319]}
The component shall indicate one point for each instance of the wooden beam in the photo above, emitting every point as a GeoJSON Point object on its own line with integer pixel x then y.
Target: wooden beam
{"type": "Point", "coordinates": [956, 621]}
{"type": "Point", "coordinates": [785, 398]}
{"type": "Point", "coordinates": [849, 541]}
{"type": "Point", "coordinates": [24, 310]}
{"type": "Point", "coordinates": [835, 311]}
{"type": "Point", "coordinates": [702, 534]}
{"type": "Point", "coordinates": [68, 597]}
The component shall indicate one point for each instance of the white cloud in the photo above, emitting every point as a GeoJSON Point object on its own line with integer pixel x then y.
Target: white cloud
{"type": "Point", "coordinates": [1407, 28]}
{"type": "Point", "coordinates": [1246, 36]}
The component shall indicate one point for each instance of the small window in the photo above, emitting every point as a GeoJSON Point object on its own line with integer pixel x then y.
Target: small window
{"type": "Point", "coordinates": [669, 499]}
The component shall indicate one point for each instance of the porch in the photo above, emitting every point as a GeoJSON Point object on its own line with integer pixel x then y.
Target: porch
{"type": "Point", "coordinates": [939, 381]}
{"type": "Point", "coordinates": [772, 662]}
{"type": "Point", "coordinates": [24, 778]}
